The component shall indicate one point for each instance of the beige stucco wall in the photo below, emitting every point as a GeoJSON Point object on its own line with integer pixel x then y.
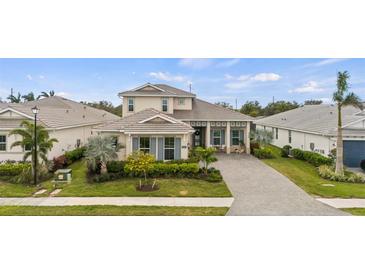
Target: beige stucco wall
{"type": "Point", "coordinates": [188, 105]}
{"type": "Point", "coordinates": [141, 103]}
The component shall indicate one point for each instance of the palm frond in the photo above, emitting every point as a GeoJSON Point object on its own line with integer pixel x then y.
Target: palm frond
{"type": "Point", "coordinates": [352, 99]}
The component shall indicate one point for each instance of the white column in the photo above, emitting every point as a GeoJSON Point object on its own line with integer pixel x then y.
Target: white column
{"type": "Point", "coordinates": [207, 135]}
{"type": "Point", "coordinates": [228, 137]}
{"type": "Point", "coordinates": [247, 137]}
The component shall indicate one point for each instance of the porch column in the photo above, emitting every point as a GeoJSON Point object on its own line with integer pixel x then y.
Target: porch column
{"type": "Point", "coordinates": [247, 137]}
{"type": "Point", "coordinates": [207, 135]}
{"type": "Point", "coordinates": [228, 137]}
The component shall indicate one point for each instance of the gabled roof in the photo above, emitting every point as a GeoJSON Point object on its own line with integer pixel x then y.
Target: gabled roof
{"type": "Point", "coordinates": [58, 112]}
{"type": "Point", "coordinates": [204, 111]}
{"type": "Point", "coordinates": [317, 119]}
{"type": "Point", "coordinates": [146, 121]}
{"type": "Point", "coordinates": [157, 90]}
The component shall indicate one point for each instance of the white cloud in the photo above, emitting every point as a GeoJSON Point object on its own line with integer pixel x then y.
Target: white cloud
{"type": "Point", "coordinates": [63, 94]}
{"type": "Point", "coordinates": [228, 63]}
{"type": "Point", "coordinates": [165, 76]}
{"type": "Point", "coordinates": [326, 100]}
{"type": "Point", "coordinates": [326, 62]}
{"type": "Point", "coordinates": [309, 87]}
{"type": "Point", "coordinates": [195, 63]}
{"type": "Point", "coordinates": [42, 77]}
{"type": "Point", "coordinates": [29, 77]}
{"type": "Point", "coordinates": [247, 79]}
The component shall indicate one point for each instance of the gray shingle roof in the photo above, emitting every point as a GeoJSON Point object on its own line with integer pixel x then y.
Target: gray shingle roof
{"type": "Point", "coordinates": [203, 110]}
{"type": "Point", "coordinates": [319, 119]}
{"type": "Point", "coordinates": [133, 123]}
{"type": "Point", "coordinates": [56, 112]}
{"type": "Point", "coordinates": [162, 90]}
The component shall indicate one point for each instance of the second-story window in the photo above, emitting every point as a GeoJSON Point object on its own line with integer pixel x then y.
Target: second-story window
{"type": "Point", "coordinates": [165, 104]}
{"type": "Point", "coordinates": [130, 104]}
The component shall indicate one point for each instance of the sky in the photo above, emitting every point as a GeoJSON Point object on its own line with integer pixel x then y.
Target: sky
{"type": "Point", "coordinates": [213, 80]}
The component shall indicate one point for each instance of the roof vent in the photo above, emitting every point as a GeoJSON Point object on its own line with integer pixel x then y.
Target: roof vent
{"type": "Point", "coordinates": [66, 110]}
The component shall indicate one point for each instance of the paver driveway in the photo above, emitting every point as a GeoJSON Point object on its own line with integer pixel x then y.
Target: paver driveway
{"type": "Point", "coordinates": [260, 190]}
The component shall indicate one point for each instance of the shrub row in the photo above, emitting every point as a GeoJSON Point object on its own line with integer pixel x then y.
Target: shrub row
{"type": "Point", "coordinates": [163, 169]}
{"type": "Point", "coordinates": [327, 172]}
{"type": "Point", "coordinates": [13, 169]}
{"type": "Point", "coordinates": [263, 153]}
{"type": "Point", "coordinates": [311, 157]}
{"type": "Point", "coordinates": [68, 158]}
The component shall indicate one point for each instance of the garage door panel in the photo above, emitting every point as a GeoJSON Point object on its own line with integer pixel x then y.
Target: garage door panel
{"type": "Point", "coordinates": [354, 152]}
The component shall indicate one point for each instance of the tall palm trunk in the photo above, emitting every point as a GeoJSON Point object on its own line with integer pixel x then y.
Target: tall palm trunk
{"type": "Point", "coordinates": [339, 149]}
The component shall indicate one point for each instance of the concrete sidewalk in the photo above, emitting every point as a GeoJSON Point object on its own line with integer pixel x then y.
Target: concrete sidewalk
{"type": "Point", "coordinates": [119, 201]}
{"type": "Point", "coordinates": [343, 203]}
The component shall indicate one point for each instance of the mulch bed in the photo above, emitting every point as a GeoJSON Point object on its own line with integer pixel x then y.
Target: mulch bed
{"type": "Point", "coordinates": [147, 188]}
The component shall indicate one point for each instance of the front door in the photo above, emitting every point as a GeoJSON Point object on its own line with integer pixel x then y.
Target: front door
{"type": "Point", "coordinates": [198, 137]}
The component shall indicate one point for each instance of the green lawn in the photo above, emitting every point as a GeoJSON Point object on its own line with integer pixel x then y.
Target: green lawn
{"type": "Point", "coordinates": [306, 177]}
{"type": "Point", "coordinates": [355, 211]}
{"type": "Point", "coordinates": [110, 211]}
{"type": "Point", "coordinates": [174, 187]}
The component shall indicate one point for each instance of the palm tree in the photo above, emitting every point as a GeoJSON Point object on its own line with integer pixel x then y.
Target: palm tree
{"type": "Point", "coordinates": [29, 97]}
{"type": "Point", "coordinates": [44, 142]}
{"type": "Point", "coordinates": [343, 98]}
{"type": "Point", "coordinates": [262, 137]}
{"type": "Point", "coordinates": [15, 99]}
{"type": "Point", "coordinates": [101, 149]}
{"type": "Point", "coordinates": [44, 94]}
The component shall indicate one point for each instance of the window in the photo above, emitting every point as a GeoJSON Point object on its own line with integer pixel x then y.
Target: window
{"type": "Point", "coordinates": [289, 136]}
{"type": "Point", "coordinates": [78, 143]}
{"type": "Point", "coordinates": [115, 141]}
{"type": "Point", "coordinates": [217, 136]}
{"type": "Point", "coordinates": [2, 142]}
{"type": "Point", "coordinates": [144, 144]}
{"type": "Point", "coordinates": [130, 104]}
{"type": "Point", "coordinates": [235, 137]}
{"type": "Point", "coordinates": [164, 104]}
{"type": "Point", "coordinates": [276, 133]}
{"type": "Point", "coordinates": [181, 101]}
{"type": "Point", "coordinates": [169, 148]}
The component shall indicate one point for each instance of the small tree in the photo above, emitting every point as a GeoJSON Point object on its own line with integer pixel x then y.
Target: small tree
{"type": "Point", "coordinates": [262, 137]}
{"type": "Point", "coordinates": [140, 163]}
{"type": "Point", "coordinates": [100, 149]}
{"type": "Point", "coordinates": [206, 155]}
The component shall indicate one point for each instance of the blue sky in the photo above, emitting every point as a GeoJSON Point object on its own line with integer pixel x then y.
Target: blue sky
{"type": "Point", "coordinates": [212, 79]}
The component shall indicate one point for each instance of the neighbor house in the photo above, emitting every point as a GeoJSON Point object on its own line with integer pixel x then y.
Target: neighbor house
{"type": "Point", "coordinates": [166, 122]}
{"type": "Point", "coordinates": [314, 128]}
{"type": "Point", "coordinates": [69, 122]}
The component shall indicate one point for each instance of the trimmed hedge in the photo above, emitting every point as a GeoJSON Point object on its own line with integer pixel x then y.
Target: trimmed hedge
{"type": "Point", "coordinates": [167, 169]}
{"type": "Point", "coordinates": [263, 153]}
{"type": "Point", "coordinates": [75, 155]}
{"type": "Point", "coordinates": [285, 151]}
{"type": "Point", "coordinates": [313, 158]}
{"type": "Point", "coordinates": [115, 166]}
{"type": "Point", "coordinates": [362, 164]}
{"type": "Point", "coordinates": [15, 169]}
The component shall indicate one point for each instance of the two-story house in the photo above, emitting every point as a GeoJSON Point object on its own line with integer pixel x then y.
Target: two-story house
{"type": "Point", "coordinates": [167, 122]}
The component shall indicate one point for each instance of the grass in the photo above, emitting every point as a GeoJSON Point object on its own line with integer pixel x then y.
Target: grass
{"type": "Point", "coordinates": [110, 211]}
{"type": "Point", "coordinates": [79, 187]}
{"type": "Point", "coordinates": [355, 211]}
{"type": "Point", "coordinates": [306, 176]}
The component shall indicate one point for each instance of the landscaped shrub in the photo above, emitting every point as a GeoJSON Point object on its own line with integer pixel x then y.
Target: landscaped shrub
{"type": "Point", "coordinates": [105, 177]}
{"type": "Point", "coordinates": [285, 151]}
{"type": "Point", "coordinates": [328, 172]}
{"type": "Point", "coordinates": [115, 166]}
{"type": "Point", "coordinates": [297, 153]}
{"type": "Point", "coordinates": [59, 162]}
{"type": "Point", "coordinates": [313, 158]}
{"type": "Point", "coordinates": [75, 155]}
{"type": "Point", "coordinates": [362, 164]}
{"type": "Point", "coordinates": [12, 169]}
{"type": "Point", "coordinates": [167, 169]}
{"type": "Point", "coordinates": [254, 146]}
{"type": "Point", "coordinates": [263, 153]}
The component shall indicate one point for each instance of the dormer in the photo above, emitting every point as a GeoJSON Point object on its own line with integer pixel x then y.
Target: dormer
{"type": "Point", "coordinates": [161, 97]}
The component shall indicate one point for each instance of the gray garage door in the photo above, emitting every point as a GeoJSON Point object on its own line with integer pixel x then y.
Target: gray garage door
{"type": "Point", "coordinates": [353, 153]}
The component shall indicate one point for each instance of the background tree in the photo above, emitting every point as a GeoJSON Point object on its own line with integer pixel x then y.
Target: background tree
{"type": "Point", "coordinates": [313, 102]}
{"type": "Point", "coordinates": [252, 108]}
{"type": "Point", "coordinates": [29, 97]}
{"type": "Point", "coordinates": [343, 97]}
{"type": "Point", "coordinates": [44, 142]}
{"type": "Point", "coordinates": [107, 106]}
{"type": "Point", "coordinates": [15, 99]}
{"type": "Point", "coordinates": [100, 149]}
{"type": "Point", "coordinates": [206, 155]}
{"type": "Point", "coordinates": [45, 94]}
{"type": "Point", "coordinates": [279, 106]}
{"type": "Point", "coordinates": [224, 104]}
{"type": "Point", "coordinates": [262, 137]}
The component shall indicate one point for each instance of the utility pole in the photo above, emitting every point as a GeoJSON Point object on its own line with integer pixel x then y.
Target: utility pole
{"type": "Point", "coordinates": [190, 87]}
{"type": "Point", "coordinates": [236, 103]}
{"type": "Point", "coordinates": [273, 99]}
{"type": "Point", "coordinates": [11, 91]}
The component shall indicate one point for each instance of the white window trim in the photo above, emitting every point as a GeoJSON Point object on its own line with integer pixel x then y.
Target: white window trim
{"type": "Point", "coordinates": [233, 137]}
{"type": "Point", "coordinates": [220, 137]}
{"type": "Point", "coordinates": [167, 104]}
{"type": "Point", "coordinates": [133, 104]}
{"type": "Point", "coordinates": [164, 149]}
